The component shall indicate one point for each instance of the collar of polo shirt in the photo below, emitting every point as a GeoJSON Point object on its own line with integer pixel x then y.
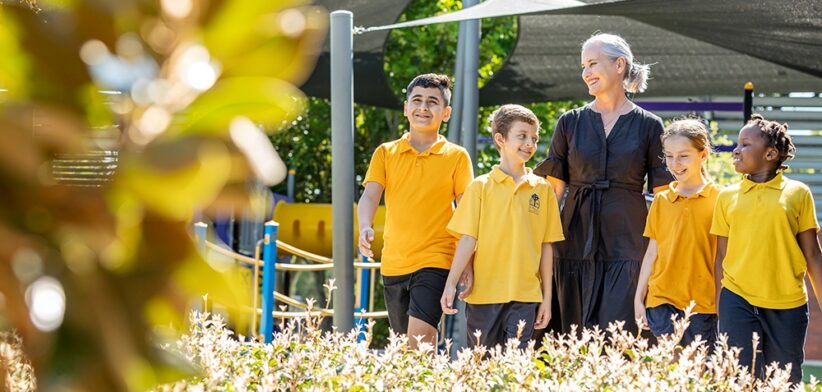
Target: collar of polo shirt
{"type": "Point", "coordinates": [673, 195]}
{"type": "Point", "coordinates": [499, 176]}
{"type": "Point", "coordinates": [775, 183]}
{"type": "Point", "coordinates": [439, 147]}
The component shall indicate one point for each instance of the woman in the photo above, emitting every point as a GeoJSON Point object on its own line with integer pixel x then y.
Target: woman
{"type": "Point", "coordinates": [602, 153]}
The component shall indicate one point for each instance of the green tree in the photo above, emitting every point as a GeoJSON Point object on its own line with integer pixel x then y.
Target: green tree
{"type": "Point", "coordinates": [90, 274]}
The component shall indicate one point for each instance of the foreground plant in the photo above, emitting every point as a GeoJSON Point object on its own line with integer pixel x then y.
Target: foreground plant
{"type": "Point", "coordinates": [16, 373]}
{"type": "Point", "coordinates": [302, 357]}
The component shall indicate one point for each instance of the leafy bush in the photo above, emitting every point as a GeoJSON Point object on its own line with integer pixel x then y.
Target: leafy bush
{"type": "Point", "coordinates": [15, 370]}
{"type": "Point", "coordinates": [303, 357]}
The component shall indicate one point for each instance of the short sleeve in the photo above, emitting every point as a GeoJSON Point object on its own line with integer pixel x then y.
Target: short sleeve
{"type": "Point", "coordinates": [553, 230]}
{"type": "Point", "coordinates": [465, 220]}
{"type": "Point", "coordinates": [719, 224]}
{"type": "Point", "coordinates": [556, 164]}
{"type": "Point", "coordinates": [376, 169]}
{"type": "Point", "coordinates": [464, 173]}
{"type": "Point", "coordinates": [807, 213]}
{"type": "Point", "coordinates": [653, 217]}
{"type": "Point", "coordinates": [658, 174]}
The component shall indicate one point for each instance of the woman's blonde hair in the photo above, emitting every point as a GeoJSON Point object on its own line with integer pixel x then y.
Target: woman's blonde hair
{"type": "Point", "coordinates": [636, 77]}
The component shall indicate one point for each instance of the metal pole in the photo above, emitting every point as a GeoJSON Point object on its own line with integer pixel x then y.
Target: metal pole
{"type": "Point", "coordinates": [470, 98]}
{"type": "Point", "coordinates": [342, 167]}
{"type": "Point", "coordinates": [365, 288]}
{"type": "Point", "coordinates": [200, 231]}
{"type": "Point", "coordinates": [269, 280]}
{"type": "Point", "coordinates": [748, 110]}
{"type": "Point", "coordinates": [290, 192]}
{"type": "Point", "coordinates": [455, 122]}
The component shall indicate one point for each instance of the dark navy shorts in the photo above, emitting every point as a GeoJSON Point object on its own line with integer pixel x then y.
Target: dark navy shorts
{"type": "Point", "coordinates": [498, 322]}
{"type": "Point", "coordinates": [781, 333]}
{"type": "Point", "coordinates": [704, 325]}
{"type": "Point", "coordinates": [416, 294]}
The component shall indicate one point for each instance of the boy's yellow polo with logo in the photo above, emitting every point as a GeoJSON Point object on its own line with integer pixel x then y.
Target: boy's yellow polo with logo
{"type": "Point", "coordinates": [686, 250]}
{"type": "Point", "coordinates": [420, 189]}
{"type": "Point", "coordinates": [763, 263]}
{"type": "Point", "coordinates": [510, 222]}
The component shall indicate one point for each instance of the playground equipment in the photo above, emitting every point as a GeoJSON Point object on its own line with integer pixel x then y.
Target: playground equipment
{"type": "Point", "coordinates": [268, 247]}
{"type": "Point", "coordinates": [308, 227]}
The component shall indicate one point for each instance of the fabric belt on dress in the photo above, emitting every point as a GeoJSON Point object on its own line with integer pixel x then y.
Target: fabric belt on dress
{"type": "Point", "coordinates": [593, 191]}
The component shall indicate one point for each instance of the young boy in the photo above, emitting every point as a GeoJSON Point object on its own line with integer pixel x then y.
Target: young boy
{"type": "Point", "coordinates": [422, 175]}
{"type": "Point", "coordinates": [511, 217]}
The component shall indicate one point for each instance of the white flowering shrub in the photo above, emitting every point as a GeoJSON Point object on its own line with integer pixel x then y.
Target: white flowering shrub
{"type": "Point", "coordinates": [16, 373]}
{"type": "Point", "coordinates": [302, 357]}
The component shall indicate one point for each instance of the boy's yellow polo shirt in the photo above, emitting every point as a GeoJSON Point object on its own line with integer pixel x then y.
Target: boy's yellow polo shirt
{"type": "Point", "coordinates": [420, 189]}
{"type": "Point", "coordinates": [510, 223]}
{"type": "Point", "coordinates": [686, 250]}
{"type": "Point", "coordinates": [764, 263]}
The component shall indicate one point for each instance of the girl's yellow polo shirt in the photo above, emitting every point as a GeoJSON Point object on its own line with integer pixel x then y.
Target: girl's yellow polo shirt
{"type": "Point", "coordinates": [684, 265]}
{"type": "Point", "coordinates": [510, 222]}
{"type": "Point", "coordinates": [764, 263]}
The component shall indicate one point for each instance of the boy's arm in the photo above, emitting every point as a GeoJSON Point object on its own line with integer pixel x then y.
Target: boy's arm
{"type": "Point", "coordinates": [465, 249]}
{"type": "Point", "coordinates": [809, 243]}
{"type": "Point", "coordinates": [367, 206]}
{"type": "Point", "coordinates": [642, 285]}
{"type": "Point", "coordinates": [721, 248]}
{"type": "Point", "coordinates": [546, 276]}
{"type": "Point", "coordinates": [558, 185]}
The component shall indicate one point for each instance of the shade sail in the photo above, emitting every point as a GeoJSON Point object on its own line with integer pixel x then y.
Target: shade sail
{"type": "Point", "coordinates": [698, 47]}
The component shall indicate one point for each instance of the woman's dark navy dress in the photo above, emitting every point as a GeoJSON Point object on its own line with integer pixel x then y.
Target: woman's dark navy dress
{"type": "Point", "coordinates": [596, 268]}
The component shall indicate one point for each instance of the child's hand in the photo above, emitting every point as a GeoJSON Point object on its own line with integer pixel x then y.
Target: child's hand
{"type": "Point", "coordinates": [467, 282]}
{"type": "Point", "coordinates": [447, 300]}
{"type": "Point", "coordinates": [366, 236]}
{"type": "Point", "coordinates": [543, 315]}
{"type": "Point", "coordinates": [639, 315]}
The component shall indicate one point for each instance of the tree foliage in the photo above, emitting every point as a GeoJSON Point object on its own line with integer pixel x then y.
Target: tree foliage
{"type": "Point", "coordinates": [89, 273]}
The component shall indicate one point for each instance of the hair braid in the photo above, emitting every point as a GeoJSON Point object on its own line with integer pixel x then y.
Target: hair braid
{"type": "Point", "coordinates": [777, 137]}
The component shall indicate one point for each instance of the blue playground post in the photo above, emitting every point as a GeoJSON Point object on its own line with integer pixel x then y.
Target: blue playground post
{"type": "Point", "coordinates": [365, 294]}
{"type": "Point", "coordinates": [200, 231]}
{"type": "Point", "coordinates": [269, 280]}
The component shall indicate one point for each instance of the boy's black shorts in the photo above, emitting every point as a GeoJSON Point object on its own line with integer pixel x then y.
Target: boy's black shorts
{"type": "Point", "coordinates": [416, 294]}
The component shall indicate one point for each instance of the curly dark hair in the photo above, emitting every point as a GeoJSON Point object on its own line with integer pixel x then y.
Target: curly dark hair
{"type": "Point", "coordinates": [431, 80]}
{"type": "Point", "coordinates": [776, 136]}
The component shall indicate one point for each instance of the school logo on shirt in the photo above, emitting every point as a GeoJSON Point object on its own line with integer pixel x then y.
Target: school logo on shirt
{"type": "Point", "coordinates": [533, 206]}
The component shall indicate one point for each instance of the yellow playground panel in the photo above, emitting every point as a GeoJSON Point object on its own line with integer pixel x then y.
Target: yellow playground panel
{"type": "Point", "coordinates": [308, 227]}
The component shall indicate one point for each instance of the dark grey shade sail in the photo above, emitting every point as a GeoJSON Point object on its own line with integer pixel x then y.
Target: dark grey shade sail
{"type": "Point", "coordinates": [370, 83]}
{"type": "Point", "coordinates": [697, 47]}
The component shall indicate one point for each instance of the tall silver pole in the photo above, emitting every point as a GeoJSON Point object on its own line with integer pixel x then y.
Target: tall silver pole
{"type": "Point", "coordinates": [470, 98]}
{"type": "Point", "coordinates": [455, 123]}
{"type": "Point", "coordinates": [342, 166]}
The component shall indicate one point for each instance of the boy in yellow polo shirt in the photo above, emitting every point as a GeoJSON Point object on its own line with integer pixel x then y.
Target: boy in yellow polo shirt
{"type": "Point", "coordinates": [678, 266]}
{"type": "Point", "coordinates": [422, 175]}
{"type": "Point", "coordinates": [510, 217]}
{"type": "Point", "coordinates": [766, 237]}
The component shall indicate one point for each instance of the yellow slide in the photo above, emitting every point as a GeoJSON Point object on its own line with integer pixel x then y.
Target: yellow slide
{"type": "Point", "coordinates": [308, 227]}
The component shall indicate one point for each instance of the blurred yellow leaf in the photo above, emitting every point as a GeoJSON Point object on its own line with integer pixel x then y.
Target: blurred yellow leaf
{"type": "Point", "coordinates": [227, 288]}
{"type": "Point", "coordinates": [238, 26]}
{"type": "Point", "coordinates": [265, 101]}
{"type": "Point", "coordinates": [14, 64]}
{"type": "Point", "coordinates": [175, 190]}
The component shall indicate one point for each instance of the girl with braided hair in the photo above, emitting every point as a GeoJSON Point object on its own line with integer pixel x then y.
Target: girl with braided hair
{"type": "Point", "coordinates": [767, 242]}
